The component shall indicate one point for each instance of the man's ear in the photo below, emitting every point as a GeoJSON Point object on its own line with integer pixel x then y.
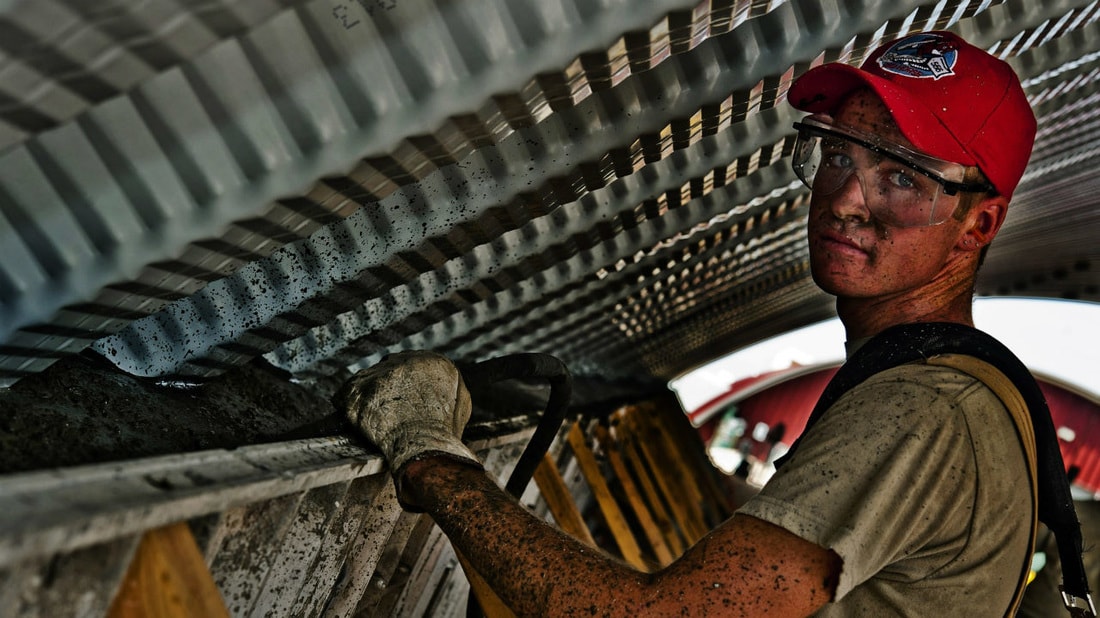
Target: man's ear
{"type": "Point", "coordinates": [983, 222]}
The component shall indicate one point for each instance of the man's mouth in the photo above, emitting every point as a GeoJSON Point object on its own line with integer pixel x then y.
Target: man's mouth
{"type": "Point", "coordinates": [840, 243]}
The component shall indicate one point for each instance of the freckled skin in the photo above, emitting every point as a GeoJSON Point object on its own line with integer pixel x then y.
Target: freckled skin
{"type": "Point", "coordinates": [745, 567]}
{"type": "Point", "coordinates": [883, 276]}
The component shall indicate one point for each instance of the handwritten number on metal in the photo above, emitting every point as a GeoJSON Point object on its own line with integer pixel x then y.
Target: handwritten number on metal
{"type": "Point", "coordinates": [370, 6]}
{"type": "Point", "coordinates": [343, 15]}
{"type": "Point", "coordinates": [340, 12]}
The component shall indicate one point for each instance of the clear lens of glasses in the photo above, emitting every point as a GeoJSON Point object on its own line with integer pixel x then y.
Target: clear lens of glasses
{"type": "Point", "coordinates": [901, 187]}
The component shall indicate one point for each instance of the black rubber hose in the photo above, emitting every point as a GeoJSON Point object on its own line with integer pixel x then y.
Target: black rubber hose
{"type": "Point", "coordinates": [525, 366]}
{"type": "Point", "coordinates": [529, 365]}
{"type": "Point", "coordinates": [522, 366]}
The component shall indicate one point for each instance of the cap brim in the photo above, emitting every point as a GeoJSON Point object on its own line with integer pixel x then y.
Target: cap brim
{"type": "Point", "coordinates": [823, 88]}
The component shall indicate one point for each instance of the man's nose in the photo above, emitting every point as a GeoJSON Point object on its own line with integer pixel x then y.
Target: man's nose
{"type": "Point", "coordinates": [849, 200]}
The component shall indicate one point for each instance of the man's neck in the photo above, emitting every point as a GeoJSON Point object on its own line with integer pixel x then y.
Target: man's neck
{"type": "Point", "coordinates": [864, 318]}
{"type": "Point", "coordinates": [947, 297]}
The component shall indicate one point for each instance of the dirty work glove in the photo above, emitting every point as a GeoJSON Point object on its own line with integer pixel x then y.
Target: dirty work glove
{"type": "Point", "coordinates": [411, 405]}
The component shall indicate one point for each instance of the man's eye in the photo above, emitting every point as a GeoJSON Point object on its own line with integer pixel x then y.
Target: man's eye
{"type": "Point", "coordinates": [838, 160]}
{"type": "Point", "coordinates": [902, 179]}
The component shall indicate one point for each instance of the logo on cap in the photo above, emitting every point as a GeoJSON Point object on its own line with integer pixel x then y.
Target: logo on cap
{"type": "Point", "coordinates": [922, 55]}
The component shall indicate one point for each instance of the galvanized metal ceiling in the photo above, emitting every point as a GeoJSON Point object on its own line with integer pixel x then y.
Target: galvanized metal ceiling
{"type": "Point", "coordinates": [186, 186]}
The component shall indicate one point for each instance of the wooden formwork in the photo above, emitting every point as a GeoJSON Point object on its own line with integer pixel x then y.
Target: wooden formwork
{"type": "Point", "coordinates": [653, 488]}
{"type": "Point", "coordinates": [305, 528]}
{"type": "Point", "coordinates": [312, 527]}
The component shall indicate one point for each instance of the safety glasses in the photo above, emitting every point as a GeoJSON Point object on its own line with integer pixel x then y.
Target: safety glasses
{"type": "Point", "coordinates": [901, 187]}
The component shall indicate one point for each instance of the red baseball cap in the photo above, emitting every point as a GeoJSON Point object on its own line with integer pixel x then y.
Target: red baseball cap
{"type": "Point", "coordinates": [952, 100]}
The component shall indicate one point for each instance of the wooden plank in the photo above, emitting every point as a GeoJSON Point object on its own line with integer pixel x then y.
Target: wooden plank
{"type": "Point", "coordinates": [347, 526]}
{"type": "Point", "coordinates": [394, 565]}
{"type": "Point", "coordinates": [655, 426]}
{"type": "Point", "coordinates": [636, 461]}
{"type": "Point", "coordinates": [613, 516]}
{"type": "Point", "coordinates": [363, 570]}
{"type": "Point", "coordinates": [641, 510]}
{"type": "Point", "coordinates": [716, 492]}
{"type": "Point", "coordinates": [452, 598]}
{"type": "Point", "coordinates": [450, 592]}
{"type": "Point", "coordinates": [268, 555]}
{"type": "Point", "coordinates": [168, 578]}
{"type": "Point", "coordinates": [83, 582]}
{"type": "Point", "coordinates": [560, 502]}
{"type": "Point", "coordinates": [47, 512]}
{"type": "Point", "coordinates": [680, 506]}
{"type": "Point", "coordinates": [417, 567]}
{"type": "Point", "coordinates": [292, 567]}
{"type": "Point", "coordinates": [19, 588]}
{"type": "Point", "coordinates": [207, 530]}
{"type": "Point", "coordinates": [249, 551]}
{"type": "Point", "coordinates": [431, 567]}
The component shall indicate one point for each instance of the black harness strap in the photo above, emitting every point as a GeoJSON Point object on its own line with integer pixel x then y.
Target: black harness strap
{"type": "Point", "coordinates": [911, 342]}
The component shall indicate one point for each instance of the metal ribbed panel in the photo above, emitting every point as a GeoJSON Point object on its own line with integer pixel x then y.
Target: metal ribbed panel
{"type": "Point", "coordinates": [637, 103]}
{"type": "Point", "coordinates": [61, 57]}
{"type": "Point", "coordinates": [185, 186]}
{"type": "Point", "coordinates": [588, 249]}
{"type": "Point", "coordinates": [328, 186]}
{"type": "Point", "coordinates": [325, 93]}
{"type": "Point", "coordinates": [1034, 255]}
{"type": "Point", "coordinates": [80, 583]}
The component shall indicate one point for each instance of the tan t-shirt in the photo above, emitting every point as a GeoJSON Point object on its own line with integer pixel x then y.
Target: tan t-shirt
{"type": "Point", "coordinates": [916, 479]}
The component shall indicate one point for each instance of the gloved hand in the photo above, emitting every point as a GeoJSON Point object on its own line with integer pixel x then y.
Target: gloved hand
{"type": "Point", "coordinates": [411, 405]}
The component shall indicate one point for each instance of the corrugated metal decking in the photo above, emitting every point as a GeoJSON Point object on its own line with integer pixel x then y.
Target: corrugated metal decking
{"type": "Point", "coordinates": [190, 187]}
{"type": "Point", "coordinates": [334, 180]}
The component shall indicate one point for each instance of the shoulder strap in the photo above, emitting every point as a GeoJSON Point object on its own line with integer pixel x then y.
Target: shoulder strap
{"type": "Point", "coordinates": [1017, 409]}
{"type": "Point", "coordinates": [910, 342]}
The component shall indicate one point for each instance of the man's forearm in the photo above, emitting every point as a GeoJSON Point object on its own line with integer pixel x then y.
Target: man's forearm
{"type": "Point", "coordinates": [413, 406]}
{"type": "Point", "coordinates": [745, 567]}
{"type": "Point", "coordinates": [535, 568]}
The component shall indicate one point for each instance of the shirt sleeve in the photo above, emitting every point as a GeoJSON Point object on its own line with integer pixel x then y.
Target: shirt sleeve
{"type": "Point", "coordinates": [887, 472]}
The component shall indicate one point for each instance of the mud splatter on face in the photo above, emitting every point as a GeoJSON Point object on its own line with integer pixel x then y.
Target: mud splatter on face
{"type": "Point", "coordinates": [862, 110]}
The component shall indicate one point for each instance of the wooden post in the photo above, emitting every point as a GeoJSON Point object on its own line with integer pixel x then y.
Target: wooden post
{"type": "Point", "coordinates": [633, 456]}
{"type": "Point", "coordinates": [618, 525]}
{"type": "Point", "coordinates": [168, 578]}
{"type": "Point", "coordinates": [717, 497]}
{"type": "Point", "coordinates": [662, 449]}
{"type": "Point", "coordinates": [641, 510]}
{"type": "Point", "coordinates": [491, 605]}
{"type": "Point", "coordinates": [560, 501]}
{"type": "Point", "coordinates": [665, 470]}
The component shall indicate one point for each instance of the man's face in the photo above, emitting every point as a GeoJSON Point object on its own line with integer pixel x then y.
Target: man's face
{"type": "Point", "coordinates": [854, 255]}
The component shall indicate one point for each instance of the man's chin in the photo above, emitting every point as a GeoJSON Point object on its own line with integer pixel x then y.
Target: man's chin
{"type": "Point", "coordinates": [838, 284]}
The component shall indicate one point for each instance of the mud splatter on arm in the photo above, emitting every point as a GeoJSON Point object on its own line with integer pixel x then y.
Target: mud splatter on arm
{"type": "Point", "coordinates": [745, 567]}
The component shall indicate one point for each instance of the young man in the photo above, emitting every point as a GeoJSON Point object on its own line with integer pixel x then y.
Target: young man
{"type": "Point", "coordinates": [910, 495]}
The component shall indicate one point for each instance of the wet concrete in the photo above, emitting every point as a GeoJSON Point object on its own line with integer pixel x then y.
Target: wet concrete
{"type": "Point", "coordinates": [83, 410]}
